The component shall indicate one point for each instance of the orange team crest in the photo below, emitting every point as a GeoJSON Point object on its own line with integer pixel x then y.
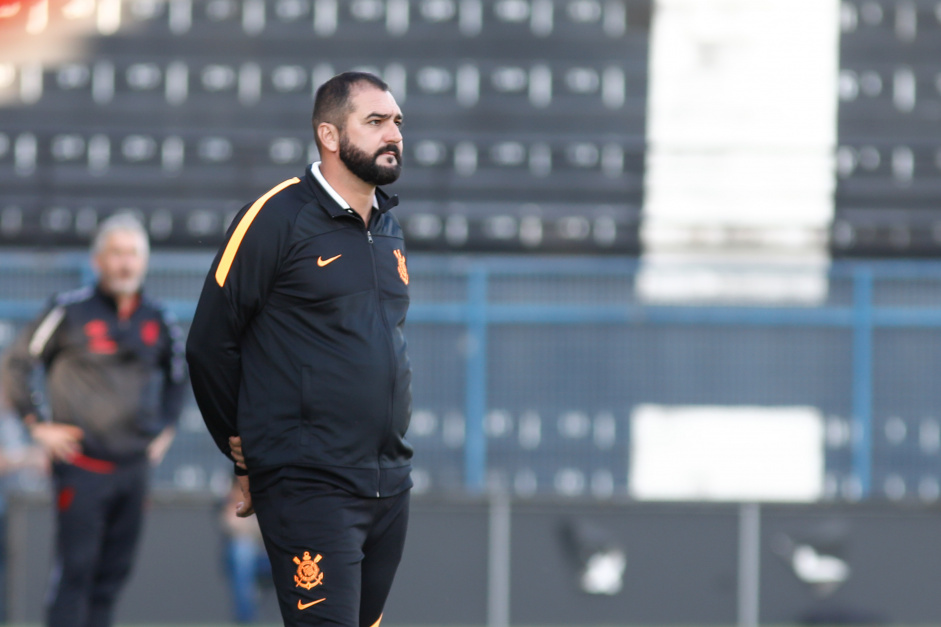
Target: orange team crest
{"type": "Point", "coordinates": [308, 573]}
{"type": "Point", "coordinates": [403, 271]}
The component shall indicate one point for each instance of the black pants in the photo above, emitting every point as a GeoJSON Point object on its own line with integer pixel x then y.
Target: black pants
{"type": "Point", "coordinates": [99, 516]}
{"type": "Point", "coordinates": [333, 555]}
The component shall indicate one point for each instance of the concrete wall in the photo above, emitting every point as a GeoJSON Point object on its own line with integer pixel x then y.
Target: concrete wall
{"type": "Point", "coordinates": [682, 564]}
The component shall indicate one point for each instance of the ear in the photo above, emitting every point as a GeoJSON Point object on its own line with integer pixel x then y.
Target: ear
{"type": "Point", "coordinates": [329, 136]}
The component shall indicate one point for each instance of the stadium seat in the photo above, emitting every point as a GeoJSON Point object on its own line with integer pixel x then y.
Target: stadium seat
{"type": "Point", "coordinates": [887, 161]}
{"type": "Point", "coordinates": [189, 100]}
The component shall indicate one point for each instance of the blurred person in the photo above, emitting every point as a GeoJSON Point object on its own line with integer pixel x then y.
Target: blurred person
{"type": "Point", "coordinates": [299, 364]}
{"type": "Point", "coordinates": [23, 465]}
{"type": "Point", "coordinates": [114, 377]}
{"type": "Point", "coordinates": [246, 562]}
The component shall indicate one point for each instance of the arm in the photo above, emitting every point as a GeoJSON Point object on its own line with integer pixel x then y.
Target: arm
{"type": "Point", "coordinates": [214, 358]}
{"type": "Point", "coordinates": [173, 368]}
{"type": "Point", "coordinates": [235, 290]}
{"type": "Point", "coordinates": [38, 343]}
{"type": "Point", "coordinates": [34, 345]}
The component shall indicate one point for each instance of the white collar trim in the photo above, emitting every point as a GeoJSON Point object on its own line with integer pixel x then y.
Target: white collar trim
{"type": "Point", "coordinates": [315, 169]}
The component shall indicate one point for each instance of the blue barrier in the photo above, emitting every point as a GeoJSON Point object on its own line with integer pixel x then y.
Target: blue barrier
{"type": "Point", "coordinates": [862, 376]}
{"type": "Point", "coordinates": [479, 297]}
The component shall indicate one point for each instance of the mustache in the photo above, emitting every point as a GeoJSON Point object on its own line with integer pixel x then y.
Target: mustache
{"type": "Point", "coordinates": [389, 148]}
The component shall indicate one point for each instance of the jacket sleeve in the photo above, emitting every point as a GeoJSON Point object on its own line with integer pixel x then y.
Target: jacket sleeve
{"type": "Point", "coordinates": [36, 344]}
{"type": "Point", "coordinates": [235, 290]}
{"type": "Point", "coordinates": [173, 365]}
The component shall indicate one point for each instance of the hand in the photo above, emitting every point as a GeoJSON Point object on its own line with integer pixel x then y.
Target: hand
{"type": "Point", "coordinates": [245, 508]}
{"type": "Point", "coordinates": [158, 448]}
{"type": "Point", "coordinates": [61, 442]}
{"type": "Point", "coordinates": [235, 446]}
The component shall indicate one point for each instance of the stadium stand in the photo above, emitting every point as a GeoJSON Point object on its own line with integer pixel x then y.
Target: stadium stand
{"type": "Point", "coordinates": [525, 130]}
{"type": "Point", "coordinates": [888, 161]}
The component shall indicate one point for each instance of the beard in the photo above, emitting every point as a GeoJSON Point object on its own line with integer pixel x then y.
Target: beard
{"type": "Point", "coordinates": [122, 285]}
{"type": "Point", "coordinates": [366, 167]}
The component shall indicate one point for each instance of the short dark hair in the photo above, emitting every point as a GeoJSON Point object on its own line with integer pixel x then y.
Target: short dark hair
{"type": "Point", "coordinates": [332, 103]}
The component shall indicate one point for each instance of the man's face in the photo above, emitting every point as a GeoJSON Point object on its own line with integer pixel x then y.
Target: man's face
{"type": "Point", "coordinates": [121, 263]}
{"type": "Point", "coordinates": [371, 141]}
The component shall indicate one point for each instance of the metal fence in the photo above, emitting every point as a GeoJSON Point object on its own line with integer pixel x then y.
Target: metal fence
{"type": "Point", "coordinates": [527, 370]}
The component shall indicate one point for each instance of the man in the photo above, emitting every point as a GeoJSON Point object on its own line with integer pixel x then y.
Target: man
{"type": "Point", "coordinates": [115, 378]}
{"type": "Point", "coordinates": [299, 363]}
{"type": "Point", "coordinates": [246, 563]}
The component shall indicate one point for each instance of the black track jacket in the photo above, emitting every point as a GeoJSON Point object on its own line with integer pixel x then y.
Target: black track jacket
{"type": "Point", "coordinates": [297, 344]}
{"type": "Point", "coordinates": [121, 380]}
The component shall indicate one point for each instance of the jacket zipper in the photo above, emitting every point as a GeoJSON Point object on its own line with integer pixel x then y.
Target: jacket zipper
{"type": "Point", "coordinates": [389, 345]}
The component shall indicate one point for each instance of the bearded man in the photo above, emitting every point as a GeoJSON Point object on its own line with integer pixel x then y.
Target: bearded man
{"type": "Point", "coordinates": [299, 365]}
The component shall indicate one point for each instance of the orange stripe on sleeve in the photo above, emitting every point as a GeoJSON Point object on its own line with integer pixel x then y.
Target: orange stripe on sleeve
{"type": "Point", "coordinates": [228, 256]}
{"type": "Point", "coordinates": [376, 624]}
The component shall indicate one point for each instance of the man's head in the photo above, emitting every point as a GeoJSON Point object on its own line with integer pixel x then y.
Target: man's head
{"type": "Point", "coordinates": [357, 120]}
{"type": "Point", "coordinates": [120, 252]}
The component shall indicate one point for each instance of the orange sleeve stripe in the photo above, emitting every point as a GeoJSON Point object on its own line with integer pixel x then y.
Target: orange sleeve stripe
{"type": "Point", "coordinates": [228, 255]}
{"type": "Point", "coordinates": [376, 624]}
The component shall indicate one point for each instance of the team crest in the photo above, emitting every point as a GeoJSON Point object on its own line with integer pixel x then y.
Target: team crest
{"type": "Point", "coordinates": [403, 271]}
{"type": "Point", "coordinates": [308, 573]}
{"type": "Point", "coordinates": [98, 339]}
{"type": "Point", "coordinates": [150, 332]}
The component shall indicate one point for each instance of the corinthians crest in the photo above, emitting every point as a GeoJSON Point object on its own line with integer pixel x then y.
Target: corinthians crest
{"type": "Point", "coordinates": [403, 269]}
{"type": "Point", "coordinates": [308, 573]}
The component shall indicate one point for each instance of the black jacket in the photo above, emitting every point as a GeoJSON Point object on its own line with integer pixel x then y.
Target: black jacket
{"type": "Point", "coordinates": [120, 380]}
{"type": "Point", "coordinates": [297, 343]}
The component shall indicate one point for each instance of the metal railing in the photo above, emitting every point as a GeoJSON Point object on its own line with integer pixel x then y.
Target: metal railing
{"type": "Point", "coordinates": [496, 341]}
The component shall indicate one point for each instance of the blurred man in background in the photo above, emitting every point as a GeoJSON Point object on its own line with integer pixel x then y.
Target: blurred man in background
{"type": "Point", "coordinates": [114, 380]}
{"type": "Point", "coordinates": [246, 563]}
{"type": "Point", "coordinates": [300, 368]}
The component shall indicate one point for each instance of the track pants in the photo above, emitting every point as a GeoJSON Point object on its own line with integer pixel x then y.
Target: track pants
{"type": "Point", "coordinates": [333, 555]}
{"type": "Point", "coordinates": [99, 516]}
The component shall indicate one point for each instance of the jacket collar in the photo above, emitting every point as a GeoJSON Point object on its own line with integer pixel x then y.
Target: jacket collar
{"type": "Point", "coordinates": [112, 301]}
{"type": "Point", "coordinates": [334, 203]}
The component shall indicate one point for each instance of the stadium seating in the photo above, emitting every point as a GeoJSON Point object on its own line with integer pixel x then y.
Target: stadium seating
{"type": "Point", "coordinates": [888, 162]}
{"type": "Point", "coordinates": [525, 132]}
{"type": "Point", "coordinates": [531, 112]}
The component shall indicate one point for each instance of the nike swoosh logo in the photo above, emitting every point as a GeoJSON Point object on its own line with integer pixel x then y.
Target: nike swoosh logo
{"type": "Point", "coordinates": [304, 606]}
{"type": "Point", "coordinates": [323, 262]}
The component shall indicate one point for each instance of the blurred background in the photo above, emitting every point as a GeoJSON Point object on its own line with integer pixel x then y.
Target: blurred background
{"type": "Point", "coordinates": [675, 290]}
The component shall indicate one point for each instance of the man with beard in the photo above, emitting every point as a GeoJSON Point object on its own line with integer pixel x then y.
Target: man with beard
{"type": "Point", "coordinates": [299, 363]}
{"type": "Point", "coordinates": [115, 375]}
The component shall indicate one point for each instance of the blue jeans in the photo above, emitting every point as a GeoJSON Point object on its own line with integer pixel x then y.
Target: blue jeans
{"type": "Point", "coordinates": [247, 564]}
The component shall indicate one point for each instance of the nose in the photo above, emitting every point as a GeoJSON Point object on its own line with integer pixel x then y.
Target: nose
{"type": "Point", "coordinates": [394, 135]}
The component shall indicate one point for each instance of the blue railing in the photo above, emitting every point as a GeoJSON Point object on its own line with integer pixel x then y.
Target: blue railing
{"type": "Point", "coordinates": [481, 296]}
{"type": "Point", "coordinates": [860, 316]}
